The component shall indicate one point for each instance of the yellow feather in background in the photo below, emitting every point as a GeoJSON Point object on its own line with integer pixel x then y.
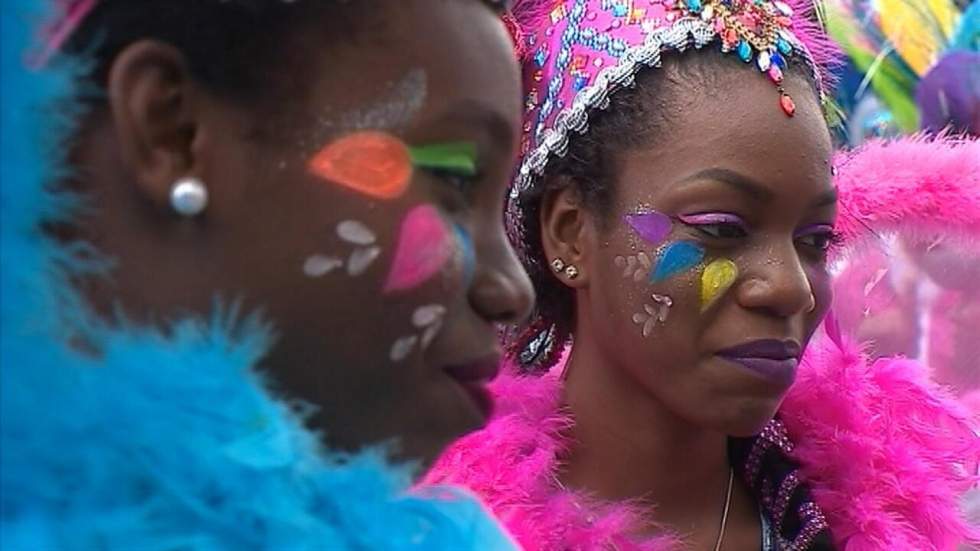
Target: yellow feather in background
{"type": "Point", "coordinates": [918, 29]}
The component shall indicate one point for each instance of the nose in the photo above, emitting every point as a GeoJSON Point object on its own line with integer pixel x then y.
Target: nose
{"type": "Point", "coordinates": [501, 291]}
{"type": "Point", "coordinates": [777, 284]}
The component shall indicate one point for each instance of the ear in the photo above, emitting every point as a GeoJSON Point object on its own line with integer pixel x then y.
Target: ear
{"type": "Point", "coordinates": [152, 104]}
{"type": "Point", "coordinates": [564, 232]}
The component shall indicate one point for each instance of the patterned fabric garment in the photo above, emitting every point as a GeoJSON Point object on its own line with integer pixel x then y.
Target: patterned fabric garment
{"type": "Point", "coordinates": [792, 521]}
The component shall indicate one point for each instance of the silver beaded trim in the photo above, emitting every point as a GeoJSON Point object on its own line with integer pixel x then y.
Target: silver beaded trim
{"type": "Point", "coordinates": [684, 33]}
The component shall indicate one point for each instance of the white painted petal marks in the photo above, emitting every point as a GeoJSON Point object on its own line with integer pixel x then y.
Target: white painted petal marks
{"type": "Point", "coordinates": [360, 259]}
{"type": "Point", "coordinates": [653, 314]}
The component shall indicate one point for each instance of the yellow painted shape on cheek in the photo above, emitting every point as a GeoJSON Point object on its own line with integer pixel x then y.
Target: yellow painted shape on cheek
{"type": "Point", "coordinates": [718, 277]}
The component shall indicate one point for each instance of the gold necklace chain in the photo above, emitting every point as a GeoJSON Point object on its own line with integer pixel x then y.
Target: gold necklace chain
{"type": "Point", "coordinates": [724, 513]}
{"type": "Point", "coordinates": [728, 506]}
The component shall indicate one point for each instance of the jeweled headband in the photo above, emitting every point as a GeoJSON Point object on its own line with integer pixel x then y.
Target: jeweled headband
{"type": "Point", "coordinates": [579, 52]}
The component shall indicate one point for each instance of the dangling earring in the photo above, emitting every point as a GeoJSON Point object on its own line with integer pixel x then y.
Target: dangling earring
{"type": "Point", "coordinates": [189, 196]}
{"type": "Point", "coordinates": [571, 272]}
{"type": "Point", "coordinates": [558, 265]}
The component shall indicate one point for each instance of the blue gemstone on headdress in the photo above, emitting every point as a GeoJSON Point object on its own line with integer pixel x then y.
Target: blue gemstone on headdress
{"type": "Point", "coordinates": [580, 82]}
{"type": "Point", "coordinates": [620, 10]}
{"type": "Point", "coordinates": [694, 6]}
{"type": "Point", "coordinates": [778, 60]}
{"type": "Point", "coordinates": [745, 51]}
{"type": "Point", "coordinates": [784, 47]}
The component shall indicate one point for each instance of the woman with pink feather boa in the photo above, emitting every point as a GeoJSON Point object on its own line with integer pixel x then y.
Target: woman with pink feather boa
{"type": "Point", "coordinates": [677, 211]}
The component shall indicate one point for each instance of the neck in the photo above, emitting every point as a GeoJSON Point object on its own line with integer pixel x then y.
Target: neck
{"type": "Point", "coordinates": [620, 427]}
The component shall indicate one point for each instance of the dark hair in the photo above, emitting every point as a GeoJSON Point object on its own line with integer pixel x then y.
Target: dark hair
{"type": "Point", "coordinates": [636, 116]}
{"type": "Point", "coordinates": [231, 46]}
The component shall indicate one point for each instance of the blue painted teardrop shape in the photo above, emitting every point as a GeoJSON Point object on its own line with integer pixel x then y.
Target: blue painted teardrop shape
{"type": "Point", "coordinates": [745, 51]}
{"type": "Point", "coordinates": [677, 257]}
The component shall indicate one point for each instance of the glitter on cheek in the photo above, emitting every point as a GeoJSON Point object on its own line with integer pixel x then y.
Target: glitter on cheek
{"type": "Point", "coordinates": [396, 106]}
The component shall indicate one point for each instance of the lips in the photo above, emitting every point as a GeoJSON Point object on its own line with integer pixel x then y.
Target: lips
{"type": "Point", "coordinates": [474, 377]}
{"type": "Point", "coordinates": [774, 360]}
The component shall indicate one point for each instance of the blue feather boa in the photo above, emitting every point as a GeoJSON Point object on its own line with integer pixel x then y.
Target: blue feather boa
{"type": "Point", "coordinates": [159, 442]}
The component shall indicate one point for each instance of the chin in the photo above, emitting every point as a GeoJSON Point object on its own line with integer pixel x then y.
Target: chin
{"type": "Point", "coordinates": [748, 418]}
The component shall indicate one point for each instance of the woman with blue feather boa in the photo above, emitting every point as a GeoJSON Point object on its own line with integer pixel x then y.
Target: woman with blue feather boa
{"type": "Point", "coordinates": [252, 266]}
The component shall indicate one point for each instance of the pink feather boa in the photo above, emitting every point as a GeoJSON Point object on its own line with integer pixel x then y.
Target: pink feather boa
{"type": "Point", "coordinates": [919, 186]}
{"type": "Point", "coordinates": [881, 450]}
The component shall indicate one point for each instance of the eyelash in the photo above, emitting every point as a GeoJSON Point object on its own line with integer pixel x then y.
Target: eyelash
{"type": "Point", "coordinates": [833, 239]}
{"type": "Point", "coordinates": [737, 230]}
{"type": "Point", "coordinates": [460, 183]}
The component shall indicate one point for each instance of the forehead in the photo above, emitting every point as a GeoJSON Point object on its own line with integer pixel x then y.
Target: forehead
{"type": "Point", "coordinates": [450, 52]}
{"type": "Point", "coordinates": [733, 121]}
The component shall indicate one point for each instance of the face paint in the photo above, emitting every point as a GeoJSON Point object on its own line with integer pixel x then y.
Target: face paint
{"type": "Point", "coordinates": [429, 320]}
{"type": "Point", "coordinates": [635, 267]}
{"type": "Point", "coordinates": [675, 258]}
{"type": "Point", "coordinates": [653, 314]}
{"type": "Point", "coordinates": [458, 158]}
{"type": "Point", "coordinates": [402, 348]}
{"type": "Point", "coordinates": [355, 232]}
{"type": "Point", "coordinates": [395, 108]}
{"type": "Point", "coordinates": [373, 163]}
{"type": "Point", "coordinates": [716, 279]}
{"type": "Point", "coordinates": [424, 247]}
{"type": "Point", "coordinates": [652, 227]}
{"type": "Point", "coordinates": [361, 259]}
{"type": "Point", "coordinates": [466, 253]}
{"type": "Point", "coordinates": [320, 265]}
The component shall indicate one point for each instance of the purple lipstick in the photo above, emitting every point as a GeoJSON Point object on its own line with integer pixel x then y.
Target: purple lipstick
{"type": "Point", "coordinates": [773, 360]}
{"type": "Point", "coordinates": [473, 378]}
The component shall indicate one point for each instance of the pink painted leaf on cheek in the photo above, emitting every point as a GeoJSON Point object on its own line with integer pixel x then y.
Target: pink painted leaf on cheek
{"type": "Point", "coordinates": [425, 245]}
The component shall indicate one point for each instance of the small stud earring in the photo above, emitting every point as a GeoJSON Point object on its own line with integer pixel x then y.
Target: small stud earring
{"type": "Point", "coordinates": [571, 272]}
{"type": "Point", "coordinates": [189, 196]}
{"type": "Point", "coordinates": [558, 265]}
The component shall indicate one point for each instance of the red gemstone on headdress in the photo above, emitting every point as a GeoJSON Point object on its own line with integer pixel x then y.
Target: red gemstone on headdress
{"type": "Point", "coordinates": [786, 102]}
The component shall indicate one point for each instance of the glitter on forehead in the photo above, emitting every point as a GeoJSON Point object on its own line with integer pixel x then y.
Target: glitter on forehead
{"type": "Point", "coordinates": [584, 50]}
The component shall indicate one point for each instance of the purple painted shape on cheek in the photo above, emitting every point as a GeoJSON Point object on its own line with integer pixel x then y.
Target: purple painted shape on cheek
{"type": "Point", "coordinates": [653, 227]}
{"type": "Point", "coordinates": [425, 246]}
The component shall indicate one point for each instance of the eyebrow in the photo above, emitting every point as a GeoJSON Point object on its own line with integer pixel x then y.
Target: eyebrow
{"type": "Point", "coordinates": [751, 188]}
{"type": "Point", "coordinates": [498, 129]}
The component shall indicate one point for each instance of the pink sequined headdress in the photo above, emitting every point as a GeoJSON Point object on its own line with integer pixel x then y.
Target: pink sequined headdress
{"type": "Point", "coordinates": [578, 52]}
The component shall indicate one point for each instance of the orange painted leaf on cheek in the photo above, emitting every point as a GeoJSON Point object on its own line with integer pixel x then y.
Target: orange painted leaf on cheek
{"type": "Point", "coordinates": [373, 163]}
